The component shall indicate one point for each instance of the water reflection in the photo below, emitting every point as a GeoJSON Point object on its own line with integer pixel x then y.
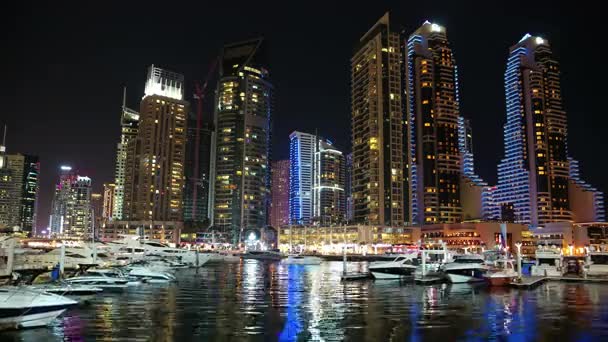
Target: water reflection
{"type": "Point", "coordinates": [257, 301]}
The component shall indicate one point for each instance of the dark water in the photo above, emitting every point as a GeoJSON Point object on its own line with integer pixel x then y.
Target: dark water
{"type": "Point", "coordinates": [254, 301]}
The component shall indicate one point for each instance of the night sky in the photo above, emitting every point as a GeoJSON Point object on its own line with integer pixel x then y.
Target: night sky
{"type": "Point", "coordinates": [63, 68]}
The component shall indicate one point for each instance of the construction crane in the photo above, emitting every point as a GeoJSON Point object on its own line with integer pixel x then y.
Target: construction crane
{"type": "Point", "coordinates": [199, 96]}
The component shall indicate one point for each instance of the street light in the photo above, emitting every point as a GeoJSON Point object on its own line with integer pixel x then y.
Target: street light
{"type": "Point", "coordinates": [518, 245]}
{"type": "Point", "coordinates": [570, 248]}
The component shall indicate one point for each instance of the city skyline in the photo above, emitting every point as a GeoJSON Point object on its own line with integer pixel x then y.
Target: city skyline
{"type": "Point", "coordinates": [487, 154]}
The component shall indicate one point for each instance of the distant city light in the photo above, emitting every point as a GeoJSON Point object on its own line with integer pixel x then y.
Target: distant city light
{"type": "Point", "coordinates": [66, 168]}
{"type": "Point", "coordinates": [251, 236]}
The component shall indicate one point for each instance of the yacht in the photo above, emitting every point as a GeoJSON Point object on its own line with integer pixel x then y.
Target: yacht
{"type": "Point", "coordinates": [100, 279]}
{"type": "Point", "coordinates": [466, 268]}
{"type": "Point", "coordinates": [136, 247]}
{"type": "Point", "coordinates": [597, 264]}
{"type": "Point", "coordinates": [548, 262]}
{"type": "Point", "coordinates": [502, 273]}
{"type": "Point", "coordinates": [296, 259]}
{"type": "Point", "coordinates": [223, 257]}
{"type": "Point", "coordinates": [115, 273]}
{"type": "Point", "coordinates": [66, 289]}
{"type": "Point", "coordinates": [21, 307]}
{"type": "Point", "coordinates": [402, 266]}
{"type": "Point", "coordinates": [150, 275]}
{"type": "Point", "coordinates": [271, 255]}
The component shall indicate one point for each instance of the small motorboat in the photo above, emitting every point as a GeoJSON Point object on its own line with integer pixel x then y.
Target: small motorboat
{"type": "Point", "coordinates": [296, 259]}
{"type": "Point", "coordinates": [467, 268]}
{"type": "Point", "coordinates": [22, 307]}
{"type": "Point", "coordinates": [502, 273]}
{"type": "Point", "coordinates": [66, 289]}
{"type": "Point", "coordinates": [270, 255]}
{"type": "Point", "coordinates": [402, 266]}
{"type": "Point", "coordinates": [151, 276]}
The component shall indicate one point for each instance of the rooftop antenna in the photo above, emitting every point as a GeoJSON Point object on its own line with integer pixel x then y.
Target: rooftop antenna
{"type": "Point", "coordinates": [4, 137]}
{"type": "Point", "coordinates": [124, 97]}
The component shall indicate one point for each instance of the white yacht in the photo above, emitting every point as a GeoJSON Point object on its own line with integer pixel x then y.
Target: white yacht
{"type": "Point", "coordinates": [466, 268]}
{"type": "Point", "coordinates": [115, 273]}
{"type": "Point", "coordinates": [100, 279]}
{"type": "Point", "coordinates": [135, 247]}
{"type": "Point", "coordinates": [402, 266]}
{"type": "Point", "coordinates": [151, 276]}
{"type": "Point", "coordinates": [223, 257]}
{"type": "Point", "coordinates": [501, 273]}
{"type": "Point", "coordinates": [296, 259]}
{"type": "Point", "coordinates": [597, 264]}
{"type": "Point", "coordinates": [66, 289]}
{"type": "Point", "coordinates": [548, 262]}
{"type": "Point", "coordinates": [21, 307]}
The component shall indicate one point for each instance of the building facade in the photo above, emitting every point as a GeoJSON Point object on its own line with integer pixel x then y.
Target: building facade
{"type": "Point", "coordinates": [329, 197]}
{"type": "Point", "coordinates": [154, 169]}
{"type": "Point", "coordinates": [348, 187]}
{"type": "Point", "coordinates": [433, 112]}
{"type": "Point", "coordinates": [197, 172]}
{"type": "Point", "coordinates": [243, 113]}
{"type": "Point", "coordinates": [29, 193]}
{"type": "Point", "coordinates": [377, 128]}
{"type": "Point", "coordinates": [534, 175]}
{"type": "Point", "coordinates": [71, 209]}
{"type": "Point", "coordinates": [279, 208]}
{"type": "Point", "coordinates": [129, 123]}
{"type": "Point", "coordinates": [18, 190]}
{"type": "Point", "coordinates": [302, 148]}
{"type": "Point", "coordinates": [109, 190]}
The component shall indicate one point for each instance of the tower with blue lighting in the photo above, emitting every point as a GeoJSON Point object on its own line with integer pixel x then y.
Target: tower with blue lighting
{"type": "Point", "coordinates": [536, 181]}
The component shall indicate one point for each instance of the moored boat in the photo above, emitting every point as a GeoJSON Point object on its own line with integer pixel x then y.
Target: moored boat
{"type": "Point", "coordinates": [467, 268]}
{"type": "Point", "coordinates": [21, 307]}
{"type": "Point", "coordinates": [502, 273]}
{"type": "Point", "coordinates": [402, 266]}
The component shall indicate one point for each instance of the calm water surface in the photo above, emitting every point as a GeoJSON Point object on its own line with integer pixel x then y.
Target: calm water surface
{"type": "Point", "coordinates": [256, 301]}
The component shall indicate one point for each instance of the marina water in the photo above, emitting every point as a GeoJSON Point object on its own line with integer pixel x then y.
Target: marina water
{"type": "Point", "coordinates": [260, 301]}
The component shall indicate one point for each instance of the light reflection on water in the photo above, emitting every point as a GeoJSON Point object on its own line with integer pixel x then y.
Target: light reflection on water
{"type": "Point", "coordinates": [271, 301]}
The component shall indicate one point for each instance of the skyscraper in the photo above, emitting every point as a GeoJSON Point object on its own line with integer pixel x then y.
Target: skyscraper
{"type": "Point", "coordinates": [129, 123]}
{"type": "Point", "coordinates": [433, 112]}
{"type": "Point", "coordinates": [535, 175]}
{"type": "Point", "coordinates": [71, 209]}
{"type": "Point", "coordinates": [197, 172]}
{"type": "Point", "coordinates": [377, 128]}
{"type": "Point", "coordinates": [329, 198]}
{"type": "Point", "coordinates": [243, 112]}
{"type": "Point", "coordinates": [279, 208]}
{"type": "Point", "coordinates": [18, 189]}
{"type": "Point", "coordinates": [108, 201]}
{"type": "Point", "coordinates": [348, 187]}
{"type": "Point", "coordinates": [302, 148]}
{"type": "Point", "coordinates": [154, 169]}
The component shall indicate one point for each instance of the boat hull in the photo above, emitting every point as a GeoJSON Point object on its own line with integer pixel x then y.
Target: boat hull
{"type": "Point", "coordinates": [465, 276]}
{"type": "Point", "coordinates": [30, 317]}
{"type": "Point", "coordinates": [499, 281]}
{"type": "Point", "coordinates": [392, 273]}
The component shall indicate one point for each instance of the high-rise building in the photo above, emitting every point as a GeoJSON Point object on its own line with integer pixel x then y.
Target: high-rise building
{"type": "Point", "coordinates": [18, 189]}
{"type": "Point", "coordinates": [97, 212]}
{"type": "Point", "coordinates": [433, 112]}
{"type": "Point", "coordinates": [348, 187]}
{"type": "Point", "coordinates": [377, 128]}
{"type": "Point", "coordinates": [107, 211]}
{"type": "Point", "coordinates": [476, 196]}
{"type": "Point", "coordinates": [129, 123]}
{"type": "Point", "coordinates": [279, 208]}
{"type": "Point", "coordinates": [71, 209]}
{"type": "Point", "coordinates": [197, 172]}
{"type": "Point", "coordinates": [302, 148]}
{"type": "Point", "coordinates": [154, 169]}
{"type": "Point", "coordinates": [329, 197]}
{"type": "Point", "coordinates": [535, 175]}
{"type": "Point", "coordinates": [29, 192]}
{"type": "Point", "coordinates": [243, 112]}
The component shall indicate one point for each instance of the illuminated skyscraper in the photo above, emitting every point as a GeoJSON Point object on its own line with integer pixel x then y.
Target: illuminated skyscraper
{"type": "Point", "coordinates": [301, 154]}
{"type": "Point", "coordinates": [535, 176]}
{"type": "Point", "coordinates": [71, 209]}
{"type": "Point", "coordinates": [129, 123]}
{"type": "Point", "coordinates": [243, 112]}
{"type": "Point", "coordinates": [18, 189]}
{"type": "Point", "coordinates": [197, 172]}
{"type": "Point", "coordinates": [329, 197]}
{"type": "Point", "coordinates": [108, 201]}
{"type": "Point", "coordinates": [433, 112]}
{"type": "Point", "coordinates": [348, 187]}
{"type": "Point", "coordinates": [377, 128]}
{"type": "Point", "coordinates": [279, 208]}
{"type": "Point", "coordinates": [154, 169]}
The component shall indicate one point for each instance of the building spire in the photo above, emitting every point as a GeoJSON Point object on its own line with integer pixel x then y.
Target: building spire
{"type": "Point", "coordinates": [124, 97]}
